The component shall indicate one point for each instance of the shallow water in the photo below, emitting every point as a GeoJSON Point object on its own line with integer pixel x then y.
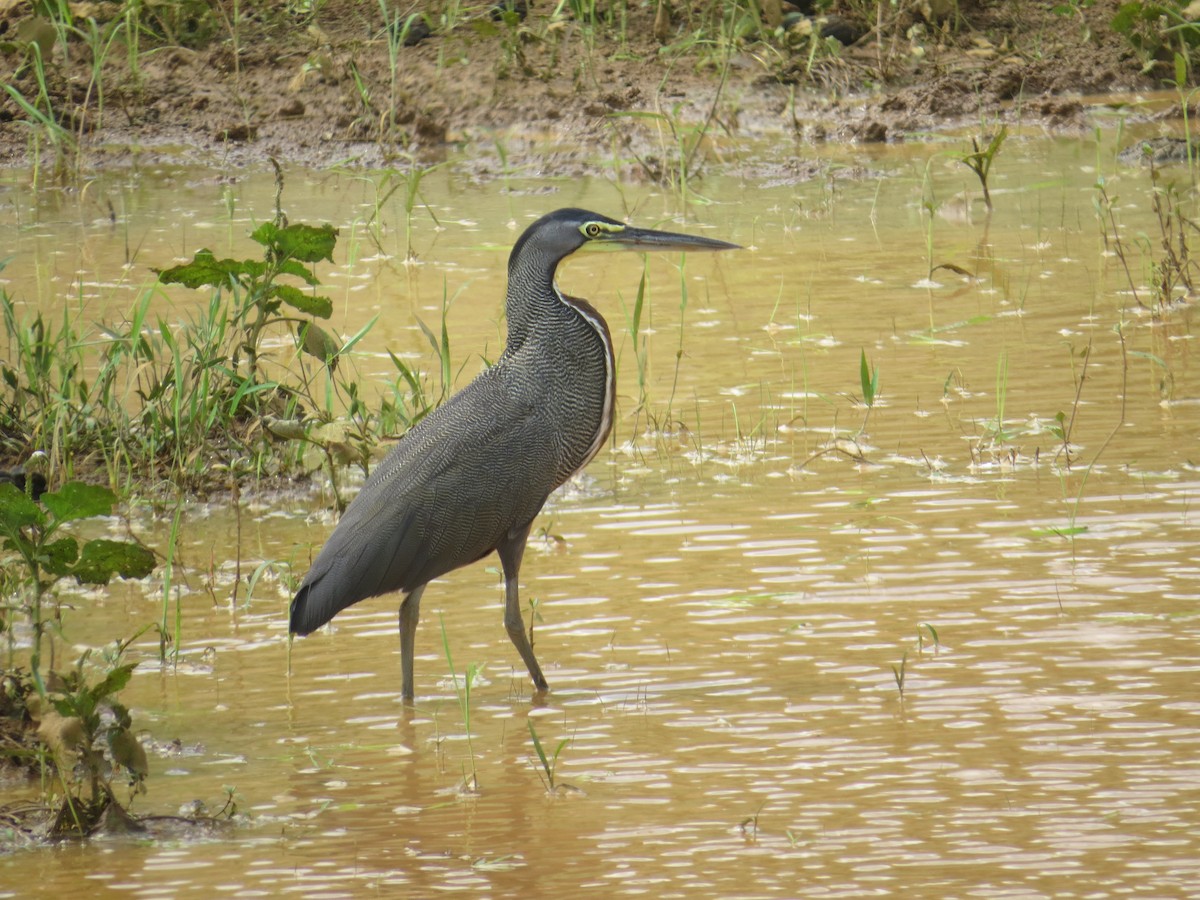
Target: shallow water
{"type": "Point", "coordinates": [726, 604]}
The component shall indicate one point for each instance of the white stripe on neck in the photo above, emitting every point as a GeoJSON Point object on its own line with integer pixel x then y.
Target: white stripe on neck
{"type": "Point", "coordinates": [606, 414]}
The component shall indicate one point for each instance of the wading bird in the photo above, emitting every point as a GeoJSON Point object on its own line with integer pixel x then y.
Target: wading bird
{"type": "Point", "coordinates": [470, 477]}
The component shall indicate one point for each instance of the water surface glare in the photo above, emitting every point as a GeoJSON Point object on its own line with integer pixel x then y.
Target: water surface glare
{"type": "Point", "coordinates": [797, 648]}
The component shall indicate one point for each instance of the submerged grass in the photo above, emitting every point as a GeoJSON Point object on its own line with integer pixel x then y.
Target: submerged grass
{"type": "Point", "coordinates": [549, 762]}
{"type": "Point", "coordinates": [462, 692]}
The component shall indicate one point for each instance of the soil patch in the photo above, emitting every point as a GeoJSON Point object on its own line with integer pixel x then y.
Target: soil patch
{"type": "Point", "coordinates": [555, 92]}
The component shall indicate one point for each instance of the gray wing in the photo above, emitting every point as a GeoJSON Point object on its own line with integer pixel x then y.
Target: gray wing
{"type": "Point", "coordinates": [476, 468]}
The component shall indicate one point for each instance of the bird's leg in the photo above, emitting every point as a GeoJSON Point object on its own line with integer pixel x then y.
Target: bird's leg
{"type": "Point", "coordinates": [510, 551]}
{"type": "Point", "coordinates": [410, 612]}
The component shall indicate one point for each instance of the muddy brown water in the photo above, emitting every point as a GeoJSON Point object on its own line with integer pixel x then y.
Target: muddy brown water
{"type": "Point", "coordinates": [726, 603]}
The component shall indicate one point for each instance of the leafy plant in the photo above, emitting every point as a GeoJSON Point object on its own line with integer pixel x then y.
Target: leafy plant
{"type": "Point", "coordinates": [90, 734]}
{"type": "Point", "coordinates": [396, 27]}
{"type": "Point", "coordinates": [1105, 205]}
{"type": "Point", "coordinates": [87, 730]}
{"type": "Point", "coordinates": [231, 365]}
{"type": "Point", "coordinates": [1174, 270]}
{"type": "Point", "coordinates": [980, 161]}
{"type": "Point", "coordinates": [392, 182]}
{"type": "Point", "coordinates": [1157, 31]}
{"type": "Point", "coordinates": [201, 397]}
{"type": "Point", "coordinates": [1074, 9]}
{"type": "Point", "coordinates": [42, 119]}
{"type": "Point", "coordinates": [35, 547]}
{"type": "Point", "coordinates": [99, 41]}
{"type": "Point", "coordinates": [1064, 424]}
{"type": "Point", "coordinates": [681, 143]}
{"type": "Point", "coordinates": [260, 295]}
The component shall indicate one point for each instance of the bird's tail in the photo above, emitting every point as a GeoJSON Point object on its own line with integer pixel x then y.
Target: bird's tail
{"type": "Point", "coordinates": [306, 616]}
{"type": "Point", "coordinates": [353, 566]}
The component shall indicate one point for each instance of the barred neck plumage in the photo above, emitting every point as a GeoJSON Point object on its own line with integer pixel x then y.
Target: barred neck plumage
{"type": "Point", "coordinates": [532, 293]}
{"type": "Point", "coordinates": [538, 311]}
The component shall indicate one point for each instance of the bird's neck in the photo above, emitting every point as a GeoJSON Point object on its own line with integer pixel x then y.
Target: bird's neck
{"type": "Point", "coordinates": [532, 298]}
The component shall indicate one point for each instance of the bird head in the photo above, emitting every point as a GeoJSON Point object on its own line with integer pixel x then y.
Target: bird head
{"type": "Point", "coordinates": [559, 234]}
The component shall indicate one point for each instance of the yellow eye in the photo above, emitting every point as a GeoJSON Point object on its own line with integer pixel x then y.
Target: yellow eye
{"type": "Point", "coordinates": [592, 230]}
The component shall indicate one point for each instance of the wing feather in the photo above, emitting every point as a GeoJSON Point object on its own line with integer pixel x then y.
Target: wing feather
{"type": "Point", "coordinates": [474, 469]}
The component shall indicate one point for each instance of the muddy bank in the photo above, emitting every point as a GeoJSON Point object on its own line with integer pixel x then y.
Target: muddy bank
{"type": "Point", "coordinates": [552, 92]}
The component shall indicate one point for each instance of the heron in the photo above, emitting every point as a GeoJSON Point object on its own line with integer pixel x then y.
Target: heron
{"type": "Point", "coordinates": [471, 476]}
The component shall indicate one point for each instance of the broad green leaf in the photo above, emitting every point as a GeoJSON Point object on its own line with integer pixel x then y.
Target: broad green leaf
{"type": "Point", "coordinates": [17, 511]}
{"type": "Point", "coordinates": [205, 270]}
{"type": "Point", "coordinates": [1128, 16]}
{"type": "Point", "coordinates": [292, 267]}
{"type": "Point", "coordinates": [101, 559]}
{"type": "Point", "coordinates": [120, 714]}
{"type": "Point", "coordinates": [59, 556]}
{"type": "Point", "coordinates": [62, 705]}
{"type": "Point", "coordinates": [321, 307]}
{"type": "Point", "coordinates": [76, 500]}
{"type": "Point", "coordinates": [307, 243]}
{"type": "Point", "coordinates": [18, 543]}
{"type": "Point", "coordinates": [255, 268]}
{"type": "Point", "coordinates": [265, 233]}
{"type": "Point", "coordinates": [114, 682]}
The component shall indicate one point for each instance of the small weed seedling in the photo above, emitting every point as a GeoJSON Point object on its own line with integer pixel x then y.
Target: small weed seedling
{"type": "Point", "coordinates": [868, 377]}
{"type": "Point", "coordinates": [996, 431]}
{"type": "Point", "coordinates": [898, 672]}
{"type": "Point", "coordinates": [549, 764]}
{"type": "Point", "coordinates": [980, 161]}
{"type": "Point", "coordinates": [749, 825]}
{"type": "Point", "coordinates": [926, 628]}
{"type": "Point", "coordinates": [471, 781]}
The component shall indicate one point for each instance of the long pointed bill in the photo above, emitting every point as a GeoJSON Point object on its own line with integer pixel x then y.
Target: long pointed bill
{"type": "Point", "coordinates": [646, 239]}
